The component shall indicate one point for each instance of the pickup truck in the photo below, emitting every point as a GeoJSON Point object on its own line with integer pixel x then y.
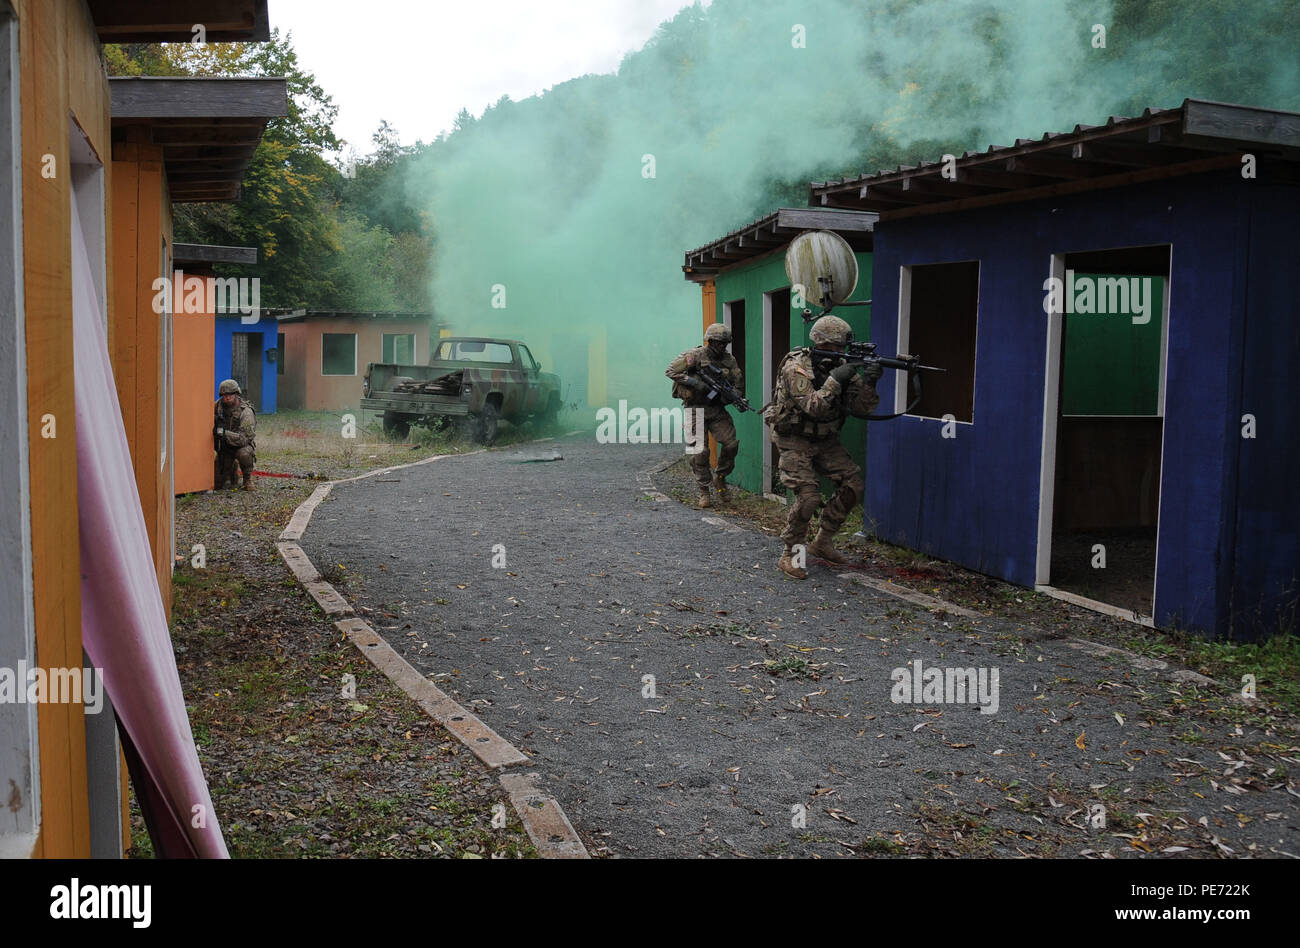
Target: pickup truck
{"type": "Point", "coordinates": [473, 380]}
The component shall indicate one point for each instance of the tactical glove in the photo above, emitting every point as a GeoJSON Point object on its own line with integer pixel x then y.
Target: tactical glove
{"type": "Point", "coordinates": [221, 432]}
{"type": "Point", "coordinates": [871, 372]}
{"type": "Point", "coordinates": [698, 385]}
{"type": "Point", "coordinates": [842, 373]}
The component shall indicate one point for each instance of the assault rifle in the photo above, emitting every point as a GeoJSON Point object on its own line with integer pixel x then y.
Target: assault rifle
{"type": "Point", "coordinates": [864, 353]}
{"type": "Point", "coordinates": [720, 390]}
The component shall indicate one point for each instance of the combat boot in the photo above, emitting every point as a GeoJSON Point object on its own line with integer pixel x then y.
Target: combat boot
{"type": "Point", "coordinates": [823, 548]}
{"type": "Point", "coordinates": [248, 482]}
{"type": "Point", "coordinates": [705, 500]}
{"type": "Point", "coordinates": [720, 485]}
{"type": "Point", "coordinates": [786, 565]}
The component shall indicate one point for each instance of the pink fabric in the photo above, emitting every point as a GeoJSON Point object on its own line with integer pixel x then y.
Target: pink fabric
{"type": "Point", "coordinates": [123, 624]}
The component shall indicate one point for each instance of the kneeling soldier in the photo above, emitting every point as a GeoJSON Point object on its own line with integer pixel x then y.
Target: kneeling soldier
{"type": "Point", "coordinates": [693, 392]}
{"type": "Point", "coordinates": [812, 399]}
{"type": "Point", "coordinates": [233, 430]}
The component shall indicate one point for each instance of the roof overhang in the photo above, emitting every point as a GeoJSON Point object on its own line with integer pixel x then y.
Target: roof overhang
{"type": "Point", "coordinates": [302, 315]}
{"type": "Point", "coordinates": [775, 231]}
{"type": "Point", "coordinates": [208, 128]}
{"type": "Point", "coordinates": [173, 21]}
{"type": "Point", "coordinates": [1196, 137]}
{"type": "Point", "coordinates": [209, 255]}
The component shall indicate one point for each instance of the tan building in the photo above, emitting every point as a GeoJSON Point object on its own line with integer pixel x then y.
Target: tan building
{"type": "Point", "coordinates": [324, 354]}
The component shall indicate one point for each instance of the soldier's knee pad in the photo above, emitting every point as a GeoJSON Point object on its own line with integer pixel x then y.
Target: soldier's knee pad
{"type": "Point", "coordinates": [805, 504]}
{"type": "Point", "coordinates": [852, 491]}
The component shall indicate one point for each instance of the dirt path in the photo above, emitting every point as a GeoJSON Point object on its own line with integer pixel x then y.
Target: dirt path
{"type": "Point", "coordinates": [770, 727]}
{"type": "Point", "coordinates": [296, 767]}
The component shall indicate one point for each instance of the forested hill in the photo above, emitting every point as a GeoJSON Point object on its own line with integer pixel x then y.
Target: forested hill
{"type": "Point", "coordinates": [551, 192]}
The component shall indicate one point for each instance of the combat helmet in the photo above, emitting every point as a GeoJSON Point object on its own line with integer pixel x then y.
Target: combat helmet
{"type": "Point", "coordinates": [832, 331]}
{"type": "Point", "coordinates": [229, 387]}
{"type": "Point", "coordinates": [718, 332]}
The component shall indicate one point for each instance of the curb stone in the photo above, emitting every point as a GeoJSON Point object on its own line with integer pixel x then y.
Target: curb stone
{"type": "Point", "coordinates": [543, 818]}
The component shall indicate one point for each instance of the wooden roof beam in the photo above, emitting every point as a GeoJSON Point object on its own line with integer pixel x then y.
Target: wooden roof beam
{"type": "Point", "coordinates": [940, 187]}
{"type": "Point", "coordinates": [1047, 166]}
{"type": "Point", "coordinates": [172, 21]}
{"type": "Point", "coordinates": [1121, 179]}
{"type": "Point", "coordinates": [1129, 156]}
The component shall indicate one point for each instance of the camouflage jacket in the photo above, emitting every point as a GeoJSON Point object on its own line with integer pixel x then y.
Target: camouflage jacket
{"type": "Point", "coordinates": [685, 365]}
{"type": "Point", "coordinates": [238, 421]}
{"type": "Point", "coordinates": [801, 407]}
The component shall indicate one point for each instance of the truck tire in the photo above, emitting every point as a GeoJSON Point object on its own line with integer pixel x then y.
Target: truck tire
{"type": "Point", "coordinates": [396, 425]}
{"type": "Point", "coordinates": [485, 424]}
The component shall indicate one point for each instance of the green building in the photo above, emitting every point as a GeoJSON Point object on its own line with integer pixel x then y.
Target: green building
{"type": "Point", "coordinates": [743, 284]}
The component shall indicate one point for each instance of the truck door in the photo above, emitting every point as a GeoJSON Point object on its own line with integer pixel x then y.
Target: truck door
{"type": "Point", "coordinates": [532, 382]}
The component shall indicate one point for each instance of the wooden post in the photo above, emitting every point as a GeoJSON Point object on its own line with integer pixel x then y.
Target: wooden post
{"type": "Point", "coordinates": [709, 300]}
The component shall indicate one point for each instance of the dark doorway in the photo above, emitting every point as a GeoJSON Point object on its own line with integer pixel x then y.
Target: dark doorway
{"type": "Point", "coordinates": [780, 308]}
{"type": "Point", "coordinates": [1110, 426]}
{"type": "Point", "coordinates": [736, 312]}
{"type": "Point", "coordinates": [246, 365]}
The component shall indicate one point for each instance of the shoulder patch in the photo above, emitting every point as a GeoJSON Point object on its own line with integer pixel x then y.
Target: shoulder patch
{"type": "Point", "coordinates": [799, 383]}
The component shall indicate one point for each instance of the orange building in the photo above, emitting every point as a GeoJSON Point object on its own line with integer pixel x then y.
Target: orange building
{"type": "Point", "coordinates": [193, 351]}
{"type": "Point", "coordinates": [325, 354]}
{"type": "Point", "coordinates": [63, 158]}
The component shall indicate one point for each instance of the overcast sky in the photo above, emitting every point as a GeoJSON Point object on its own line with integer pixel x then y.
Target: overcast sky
{"type": "Point", "coordinates": [417, 63]}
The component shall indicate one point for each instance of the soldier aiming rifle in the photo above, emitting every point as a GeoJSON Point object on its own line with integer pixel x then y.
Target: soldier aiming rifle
{"type": "Point", "coordinates": [704, 405]}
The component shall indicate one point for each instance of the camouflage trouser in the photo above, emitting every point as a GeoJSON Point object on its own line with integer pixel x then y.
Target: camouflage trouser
{"type": "Point", "coordinates": [229, 464]}
{"type": "Point", "coordinates": [717, 422]}
{"type": "Point", "coordinates": [802, 459]}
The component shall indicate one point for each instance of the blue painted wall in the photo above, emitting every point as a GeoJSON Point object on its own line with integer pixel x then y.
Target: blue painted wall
{"type": "Point", "coordinates": [226, 326]}
{"type": "Point", "coordinates": [974, 499]}
{"type": "Point", "coordinates": [1265, 562]}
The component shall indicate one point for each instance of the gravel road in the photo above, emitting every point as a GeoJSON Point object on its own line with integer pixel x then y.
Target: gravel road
{"type": "Point", "coordinates": [541, 594]}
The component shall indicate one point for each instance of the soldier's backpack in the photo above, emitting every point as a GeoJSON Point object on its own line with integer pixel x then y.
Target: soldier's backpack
{"type": "Point", "coordinates": [781, 410]}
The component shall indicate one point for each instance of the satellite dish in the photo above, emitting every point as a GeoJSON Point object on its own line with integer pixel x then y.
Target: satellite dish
{"type": "Point", "coordinates": [822, 268]}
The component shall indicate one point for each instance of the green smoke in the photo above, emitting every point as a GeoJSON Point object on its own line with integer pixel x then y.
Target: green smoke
{"type": "Point", "coordinates": [549, 198]}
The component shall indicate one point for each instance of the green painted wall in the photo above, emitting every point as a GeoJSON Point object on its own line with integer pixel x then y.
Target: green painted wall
{"type": "Point", "coordinates": [750, 282]}
{"type": "Point", "coordinates": [1112, 364]}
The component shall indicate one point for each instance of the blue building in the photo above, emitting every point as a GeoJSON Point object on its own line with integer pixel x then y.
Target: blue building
{"type": "Point", "coordinates": [251, 353]}
{"type": "Point", "coordinates": [1117, 308]}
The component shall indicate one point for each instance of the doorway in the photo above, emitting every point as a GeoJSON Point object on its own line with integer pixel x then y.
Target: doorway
{"type": "Point", "coordinates": [246, 365]}
{"type": "Point", "coordinates": [1099, 519]}
{"type": "Point", "coordinates": [776, 340]}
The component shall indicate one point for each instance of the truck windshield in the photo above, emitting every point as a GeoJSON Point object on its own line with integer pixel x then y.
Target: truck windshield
{"type": "Point", "coordinates": [455, 351]}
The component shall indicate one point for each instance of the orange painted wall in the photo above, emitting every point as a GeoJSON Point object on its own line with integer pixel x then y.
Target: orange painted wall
{"type": "Point", "coordinates": [302, 385]}
{"type": "Point", "coordinates": [61, 76]}
{"type": "Point", "coordinates": [141, 223]}
{"type": "Point", "coordinates": [194, 351]}
{"type": "Point", "coordinates": [709, 298]}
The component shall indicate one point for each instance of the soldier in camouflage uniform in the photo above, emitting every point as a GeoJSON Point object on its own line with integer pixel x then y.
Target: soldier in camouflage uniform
{"type": "Point", "coordinates": [812, 399]}
{"type": "Point", "coordinates": [716, 421]}
{"type": "Point", "coordinates": [233, 430]}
